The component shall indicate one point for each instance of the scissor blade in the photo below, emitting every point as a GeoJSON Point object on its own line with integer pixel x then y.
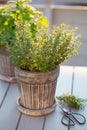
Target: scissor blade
{"type": "Point", "coordinates": [63, 109]}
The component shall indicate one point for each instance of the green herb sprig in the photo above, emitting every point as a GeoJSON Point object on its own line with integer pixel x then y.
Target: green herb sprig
{"type": "Point", "coordinates": [72, 101]}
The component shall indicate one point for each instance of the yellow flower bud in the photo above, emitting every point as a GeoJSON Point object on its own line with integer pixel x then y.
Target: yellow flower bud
{"type": "Point", "coordinates": [18, 11]}
{"type": "Point", "coordinates": [5, 23]}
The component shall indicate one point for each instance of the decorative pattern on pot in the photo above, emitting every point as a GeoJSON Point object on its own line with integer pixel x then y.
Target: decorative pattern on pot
{"type": "Point", "coordinates": [37, 90]}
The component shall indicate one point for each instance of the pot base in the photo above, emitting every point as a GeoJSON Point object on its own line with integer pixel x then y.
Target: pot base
{"type": "Point", "coordinates": [39, 112]}
{"type": "Point", "coordinates": [8, 79]}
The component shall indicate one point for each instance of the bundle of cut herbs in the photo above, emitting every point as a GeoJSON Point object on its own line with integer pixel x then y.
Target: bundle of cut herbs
{"type": "Point", "coordinates": [72, 101]}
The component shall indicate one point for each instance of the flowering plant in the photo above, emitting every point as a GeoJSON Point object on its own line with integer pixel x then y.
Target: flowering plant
{"type": "Point", "coordinates": [19, 11]}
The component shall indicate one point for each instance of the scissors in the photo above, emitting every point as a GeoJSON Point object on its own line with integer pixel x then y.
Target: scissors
{"type": "Point", "coordinates": [71, 117]}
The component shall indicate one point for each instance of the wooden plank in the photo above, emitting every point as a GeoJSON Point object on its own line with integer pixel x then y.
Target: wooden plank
{"type": "Point", "coordinates": [64, 82]}
{"type": "Point", "coordinates": [3, 89]}
{"type": "Point", "coordinates": [80, 82]}
{"type": "Point", "coordinates": [8, 113]}
{"type": "Point", "coordinates": [74, 1]}
{"type": "Point", "coordinates": [31, 123]}
{"type": "Point", "coordinates": [53, 121]}
{"type": "Point", "coordinates": [80, 89]}
{"type": "Point", "coordinates": [69, 7]}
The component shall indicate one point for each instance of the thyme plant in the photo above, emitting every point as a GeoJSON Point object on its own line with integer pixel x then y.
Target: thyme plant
{"type": "Point", "coordinates": [33, 49]}
{"type": "Point", "coordinates": [72, 101]}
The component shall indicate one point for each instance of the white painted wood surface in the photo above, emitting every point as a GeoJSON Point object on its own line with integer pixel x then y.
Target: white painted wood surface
{"type": "Point", "coordinates": [12, 119]}
{"type": "Point", "coordinates": [9, 115]}
{"type": "Point", "coordinates": [31, 123]}
{"type": "Point", "coordinates": [3, 90]}
{"type": "Point", "coordinates": [64, 82]}
{"type": "Point", "coordinates": [80, 89]}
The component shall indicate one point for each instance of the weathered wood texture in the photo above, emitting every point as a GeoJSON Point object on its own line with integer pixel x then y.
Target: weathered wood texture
{"type": "Point", "coordinates": [72, 80]}
{"type": "Point", "coordinates": [75, 1]}
{"type": "Point", "coordinates": [37, 92]}
{"type": "Point", "coordinates": [6, 67]}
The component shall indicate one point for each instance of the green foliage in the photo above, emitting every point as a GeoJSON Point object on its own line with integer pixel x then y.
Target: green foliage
{"type": "Point", "coordinates": [24, 31]}
{"type": "Point", "coordinates": [19, 11]}
{"type": "Point", "coordinates": [43, 52]}
{"type": "Point", "coordinates": [72, 101]}
{"type": "Point", "coordinates": [6, 26]}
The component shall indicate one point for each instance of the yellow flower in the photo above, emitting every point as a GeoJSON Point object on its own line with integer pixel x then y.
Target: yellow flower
{"type": "Point", "coordinates": [12, 15]}
{"type": "Point", "coordinates": [18, 11]}
{"type": "Point", "coordinates": [5, 23]}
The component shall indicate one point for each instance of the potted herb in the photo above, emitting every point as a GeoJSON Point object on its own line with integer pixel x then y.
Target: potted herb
{"type": "Point", "coordinates": [6, 23]}
{"type": "Point", "coordinates": [72, 101]}
{"type": "Point", "coordinates": [37, 56]}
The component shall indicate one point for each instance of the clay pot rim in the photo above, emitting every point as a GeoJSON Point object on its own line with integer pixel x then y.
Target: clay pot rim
{"type": "Point", "coordinates": [39, 73]}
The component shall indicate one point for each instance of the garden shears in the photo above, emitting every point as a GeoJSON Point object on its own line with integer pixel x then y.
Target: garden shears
{"type": "Point", "coordinates": [69, 118]}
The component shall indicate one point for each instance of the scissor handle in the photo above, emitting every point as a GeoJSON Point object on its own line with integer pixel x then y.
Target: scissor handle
{"type": "Point", "coordinates": [79, 116]}
{"type": "Point", "coordinates": [72, 118]}
{"type": "Point", "coordinates": [70, 121]}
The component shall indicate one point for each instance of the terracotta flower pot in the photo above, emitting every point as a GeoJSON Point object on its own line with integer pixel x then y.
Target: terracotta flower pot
{"type": "Point", "coordinates": [37, 92]}
{"type": "Point", "coordinates": [6, 67]}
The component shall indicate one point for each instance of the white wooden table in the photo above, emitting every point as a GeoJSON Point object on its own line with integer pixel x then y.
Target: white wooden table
{"type": "Point", "coordinates": [71, 79]}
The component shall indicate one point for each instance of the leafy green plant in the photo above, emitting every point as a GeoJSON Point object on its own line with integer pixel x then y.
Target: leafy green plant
{"type": "Point", "coordinates": [6, 25]}
{"type": "Point", "coordinates": [19, 11]}
{"type": "Point", "coordinates": [43, 52]}
{"type": "Point", "coordinates": [72, 101]}
{"type": "Point", "coordinates": [34, 48]}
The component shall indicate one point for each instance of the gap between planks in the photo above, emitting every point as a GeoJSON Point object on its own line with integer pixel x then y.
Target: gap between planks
{"type": "Point", "coordinates": [4, 96]}
{"type": "Point", "coordinates": [18, 122]}
{"type": "Point", "coordinates": [72, 87]}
